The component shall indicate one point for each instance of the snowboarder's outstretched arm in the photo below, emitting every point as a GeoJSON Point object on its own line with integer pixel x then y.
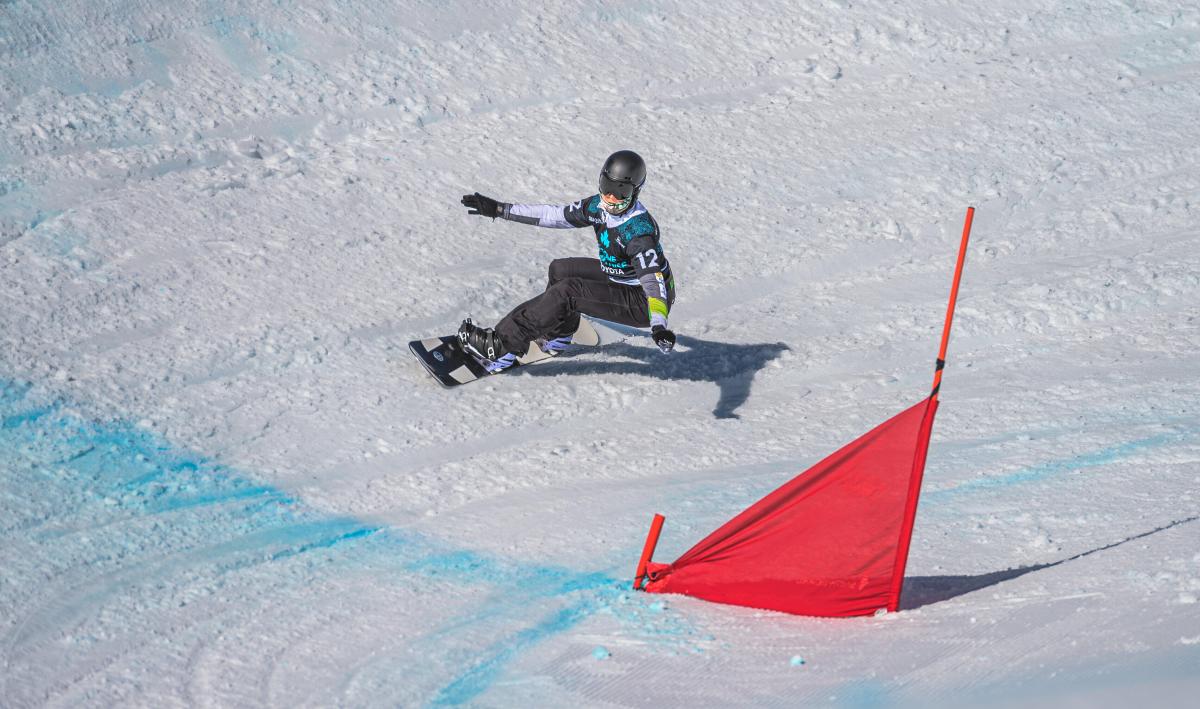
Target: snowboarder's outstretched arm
{"type": "Point", "coordinates": [584, 212]}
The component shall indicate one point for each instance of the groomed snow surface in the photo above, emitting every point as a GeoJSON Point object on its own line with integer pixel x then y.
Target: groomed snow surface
{"type": "Point", "coordinates": [225, 482]}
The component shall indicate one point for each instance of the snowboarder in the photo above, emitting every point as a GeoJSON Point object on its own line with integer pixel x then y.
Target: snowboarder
{"type": "Point", "coordinates": [631, 283]}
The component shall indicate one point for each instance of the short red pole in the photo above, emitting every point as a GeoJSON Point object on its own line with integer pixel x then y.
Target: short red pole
{"type": "Point", "coordinates": [648, 550]}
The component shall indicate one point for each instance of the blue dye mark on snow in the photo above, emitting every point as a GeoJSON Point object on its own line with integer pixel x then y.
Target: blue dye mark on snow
{"type": "Point", "coordinates": [231, 33]}
{"type": "Point", "coordinates": [483, 674]}
{"type": "Point", "coordinates": [155, 64]}
{"type": "Point", "coordinates": [8, 186]}
{"type": "Point", "coordinates": [605, 595]}
{"type": "Point", "coordinates": [41, 218]}
{"type": "Point", "coordinates": [247, 44]}
{"type": "Point", "coordinates": [865, 694]}
{"type": "Point", "coordinates": [71, 486]}
{"type": "Point", "coordinates": [24, 417]}
{"type": "Point", "coordinates": [1040, 472]}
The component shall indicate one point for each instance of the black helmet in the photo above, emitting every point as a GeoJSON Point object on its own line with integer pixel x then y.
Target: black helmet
{"type": "Point", "coordinates": [622, 176]}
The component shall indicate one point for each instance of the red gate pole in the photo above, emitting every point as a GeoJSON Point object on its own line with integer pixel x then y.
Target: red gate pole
{"type": "Point", "coordinates": [958, 269]}
{"type": "Point", "coordinates": [648, 550]}
{"type": "Point", "coordinates": [918, 469]}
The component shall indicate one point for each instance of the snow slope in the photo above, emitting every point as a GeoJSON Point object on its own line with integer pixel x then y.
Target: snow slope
{"type": "Point", "coordinates": [224, 481]}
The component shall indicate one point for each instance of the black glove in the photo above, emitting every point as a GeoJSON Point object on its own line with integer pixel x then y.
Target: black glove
{"type": "Point", "coordinates": [483, 206]}
{"type": "Point", "coordinates": [664, 338]}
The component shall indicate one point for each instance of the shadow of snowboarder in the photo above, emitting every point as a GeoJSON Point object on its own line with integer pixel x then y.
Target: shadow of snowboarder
{"type": "Point", "coordinates": [730, 367]}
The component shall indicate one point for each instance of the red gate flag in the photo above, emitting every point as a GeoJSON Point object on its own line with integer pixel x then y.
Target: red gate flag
{"type": "Point", "coordinates": [826, 542]}
{"type": "Point", "coordinates": [834, 540]}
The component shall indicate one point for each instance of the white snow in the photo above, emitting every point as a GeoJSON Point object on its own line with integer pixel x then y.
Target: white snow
{"type": "Point", "coordinates": [225, 481]}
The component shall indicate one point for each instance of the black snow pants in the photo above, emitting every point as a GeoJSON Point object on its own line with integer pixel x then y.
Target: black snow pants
{"type": "Point", "coordinates": [576, 285]}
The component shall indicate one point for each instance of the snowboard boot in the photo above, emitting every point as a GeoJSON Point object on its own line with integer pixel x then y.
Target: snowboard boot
{"type": "Point", "coordinates": [485, 344]}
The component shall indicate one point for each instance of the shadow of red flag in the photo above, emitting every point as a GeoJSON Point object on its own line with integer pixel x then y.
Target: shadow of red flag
{"type": "Point", "coordinates": [831, 542]}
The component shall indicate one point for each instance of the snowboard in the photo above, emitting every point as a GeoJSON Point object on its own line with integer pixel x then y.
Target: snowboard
{"type": "Point", "coordinates": [451, 365]}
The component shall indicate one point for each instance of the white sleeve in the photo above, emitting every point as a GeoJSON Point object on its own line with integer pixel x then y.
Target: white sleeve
{"type": "Point", "coordinates": [551, 216]}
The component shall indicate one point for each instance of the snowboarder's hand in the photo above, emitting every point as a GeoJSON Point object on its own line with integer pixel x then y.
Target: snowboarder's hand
{"type": "Point", "coordinates": [483, 206]}
{"type": "Point", "coordinates": [664, 338]}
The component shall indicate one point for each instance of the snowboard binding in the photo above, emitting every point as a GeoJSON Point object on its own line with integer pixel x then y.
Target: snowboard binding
{"type": "Point", "coordinates": [485, 345]}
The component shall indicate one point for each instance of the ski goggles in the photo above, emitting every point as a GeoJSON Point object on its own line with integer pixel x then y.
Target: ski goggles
{"type": "Point", "coordinates": [612, 201]}
{"type": "Point", "coordinates": [620, 189]}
